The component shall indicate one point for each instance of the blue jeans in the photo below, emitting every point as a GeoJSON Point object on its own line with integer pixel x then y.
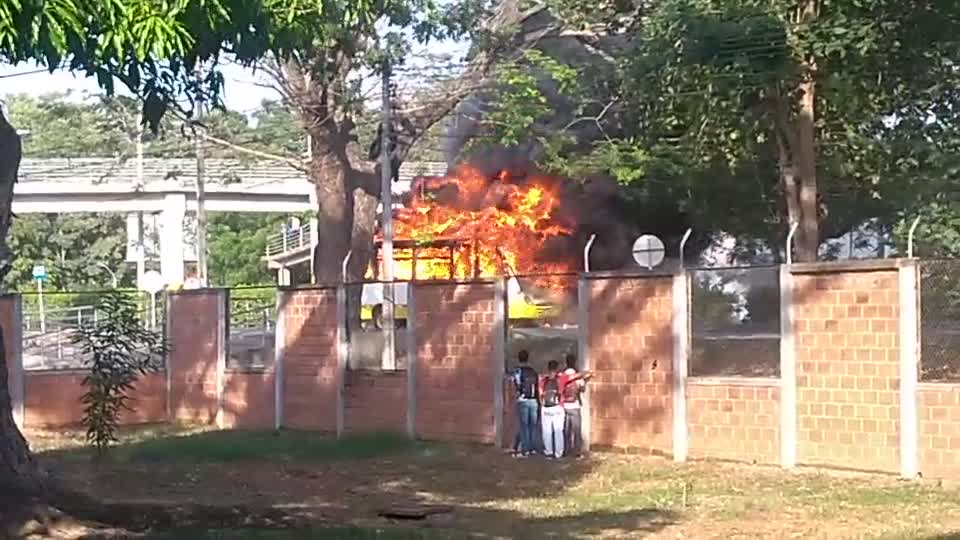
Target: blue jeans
{"type": "Point", "coordinates": [527, 413]}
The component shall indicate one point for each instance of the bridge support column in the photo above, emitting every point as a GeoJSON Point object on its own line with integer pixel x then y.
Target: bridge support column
{"type": "Point", "coordinates": [171, 237]}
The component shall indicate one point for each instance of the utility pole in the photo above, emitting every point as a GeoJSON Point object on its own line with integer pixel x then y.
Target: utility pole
{"type": "Point", "coordinates": [389, 360]}
{"type": "Point", "coordinates": [199, 141]}
{"type": "Point", "coordinates": [141, 250]}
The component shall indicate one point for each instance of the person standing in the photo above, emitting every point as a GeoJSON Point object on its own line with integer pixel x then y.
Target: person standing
{"type": "Point", "coordinates": [572, 386]}
{"type": "Point", "coordinates": [551, 411]}
{"type": "Point", "coordinates": [525, 379]}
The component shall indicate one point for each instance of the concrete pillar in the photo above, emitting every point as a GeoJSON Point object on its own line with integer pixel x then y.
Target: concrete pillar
{"type": "Point", "coordinates": [583, 351]}
{"type": "Point", "coordinates": [279, 347]}
{"type": "Point", "coordinates": [411, 362]}
{"type": "Point", "coordinates": [314, 242]}
{"type": "Point", "coordinates": [909, 370]}
{"type": "Point", "coordinates": [343, 356]}
{"type": "Point", "coordinates": [681, 351]}
{"type": "Point", "coordinates": [499, 356]}
{"type": "Point", "coordinates": [788, 373]}
{"type": "Point", "coordinates": [223, 337]}
{"type": "Point", "coordinates": [171, 237]}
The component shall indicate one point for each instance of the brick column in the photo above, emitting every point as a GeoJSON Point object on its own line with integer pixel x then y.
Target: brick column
{"type": "Point", "coordinates": [909, 369]}
{"type": "Point", "coordinates": [197, 355]}
{"type": "Point", "coordinates": [310, 360]}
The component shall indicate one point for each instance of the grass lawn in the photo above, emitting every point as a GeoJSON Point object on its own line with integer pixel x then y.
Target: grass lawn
{"type": "Point", "coordinates": [337, 489]}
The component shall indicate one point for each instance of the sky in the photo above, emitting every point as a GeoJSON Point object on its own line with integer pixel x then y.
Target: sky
{"type": "Point", "coordinates": [243, 91]}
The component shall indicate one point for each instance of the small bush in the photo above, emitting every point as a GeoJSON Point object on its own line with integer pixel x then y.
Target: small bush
{"type": "Point", "coordinates": [120, 350]}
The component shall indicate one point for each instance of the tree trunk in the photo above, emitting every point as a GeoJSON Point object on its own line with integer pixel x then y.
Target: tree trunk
{"type": "Point", "coordinates": [329, 174]}
{"type": "Point", "coordinates": [809, 241]}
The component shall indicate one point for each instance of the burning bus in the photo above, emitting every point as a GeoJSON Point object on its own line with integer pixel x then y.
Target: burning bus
{"type": "Point", "coordinates": [466, 225]}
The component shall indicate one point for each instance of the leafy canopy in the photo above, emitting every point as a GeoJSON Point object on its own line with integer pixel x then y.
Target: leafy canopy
{"type": "Point", "coordinates": [155, 48]}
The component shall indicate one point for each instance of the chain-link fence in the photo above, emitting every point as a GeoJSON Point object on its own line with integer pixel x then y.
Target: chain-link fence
{"type": "Point", "coordinates": [736, 322]}
{"type": "Point", "coordinates": [252, 328]}
{"type": "Point", "coordinates": [365, 322]}
{"type": "Point", "coordinates": [940, 320]}
{"type": "Point", "coordinates": [50, 324]}
{"type": "Point", "coordinates": [541, 319]}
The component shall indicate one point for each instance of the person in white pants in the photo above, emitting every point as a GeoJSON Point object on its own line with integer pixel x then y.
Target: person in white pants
{"type": "Point", "coordinates": [551, 412]}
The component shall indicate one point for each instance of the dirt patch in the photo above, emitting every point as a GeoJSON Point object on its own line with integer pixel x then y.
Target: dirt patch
{"type": "Point", "coordinates": [484, 491]}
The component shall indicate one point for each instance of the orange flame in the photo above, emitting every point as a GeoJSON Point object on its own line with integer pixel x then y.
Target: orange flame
{"type": "Point", "coordinates": [466, 225]}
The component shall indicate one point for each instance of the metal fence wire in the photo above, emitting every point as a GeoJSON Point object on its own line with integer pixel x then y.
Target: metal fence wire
{"type": "Point", "coordinates": [365, 318]}
{"type": "Point", "coordinates": [735, 316]}
{"type": "Point", "coordinates": [50, 331]}
{"type": "Point", "coordinates": [253, 318]}
{"type": "Point", "coordinates": [940, 320]}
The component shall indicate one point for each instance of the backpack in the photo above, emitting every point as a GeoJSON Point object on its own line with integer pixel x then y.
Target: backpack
{"type": "Point", "coordinates": [571, 392]}
{"type": "Point", "coordinates": [527, 386]}
{"type": "Point", "coordinates": [551, 392]}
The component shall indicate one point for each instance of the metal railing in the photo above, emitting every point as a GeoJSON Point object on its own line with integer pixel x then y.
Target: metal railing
{"type": "Point", "coordinates": [289, 240]}
{"type": "Point", "coordinates": [252, 328]}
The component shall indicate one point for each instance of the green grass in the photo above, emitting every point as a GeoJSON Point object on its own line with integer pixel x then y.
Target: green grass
{"type": "Point", "coordinates": [238, 446]}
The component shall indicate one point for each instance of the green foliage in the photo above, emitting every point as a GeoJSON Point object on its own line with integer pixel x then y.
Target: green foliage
{"type": "Point", "coordinates": [155, 48]}
{"type": "Point", "coordinates": [120, 349]}
{"type": "Point", "coordinates": [71, 246]}
{"type": "Point", "coordinates": [237, 244]}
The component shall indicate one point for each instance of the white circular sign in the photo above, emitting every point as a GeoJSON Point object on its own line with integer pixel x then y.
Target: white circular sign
{"type": "Point", "coordinates": [152, 282]}
{"type": "Point", "coordinates": [648, 251]}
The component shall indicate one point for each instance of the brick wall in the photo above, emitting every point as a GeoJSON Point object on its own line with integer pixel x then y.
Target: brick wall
{"type": "Point", "coordinates": [310, 360]}
{"type": "Point", "coordinates": [375, 401]}
{"type": "Point", "coordinates": [940, 430]}
{"type": "Point", "coordinates": [631, 347]}
{"type": "Point", "coordinates": [248, 399]}
{"type": "Point", "coordinates": [455, 325]}
{"type": "Point", "coordinates": [846, 328]}
{"type": "Point", "coordinates": [194, 334]}
{"type": "Point", "coordinates": [736, 420]}
{"type": "Point", "coordinates": [53, 399]}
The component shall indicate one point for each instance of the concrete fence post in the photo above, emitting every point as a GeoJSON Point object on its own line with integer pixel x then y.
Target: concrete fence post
{"type": "Point", "coordinates": [167, 366]}
{"type": "Point", "coordinates": [499, 355]}
{"type": "Point", "coordinates": [411, 361]}
{"type": "Point", "coordinates": [681, 351]}
{"type": "Point", "coordinates": [788, 372]}
{"type": "Point", "coordinates": [279, 353]}
{"type": "Point", "coordinates": [583, 352]}
{"type": "Point", "coordinates": [343, 356]}
{"type": "Point", "coordinates": [909, 369]}
{"type": "Point", "coordinates": [15, 375]}
{"type": "Point", "coordinates": [223, 349]}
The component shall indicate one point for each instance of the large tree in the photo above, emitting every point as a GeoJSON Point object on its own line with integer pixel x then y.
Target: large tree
{"type": "Point", "coordinates": [758, 114]}
{"type": "Point", "coordinates": [167, 51]}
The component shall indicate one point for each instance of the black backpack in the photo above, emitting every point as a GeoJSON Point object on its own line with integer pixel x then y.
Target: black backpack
{"type": "Point", "coordinates": [551, 392]}
{"type": "Point", "coordinates": [527, 387]}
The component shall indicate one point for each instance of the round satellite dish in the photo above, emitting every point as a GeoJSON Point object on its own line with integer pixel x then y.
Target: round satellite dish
{"type": "Point", "coordinates": [648, 251]}
{"type": "Point", "coordinates": [152, 282]}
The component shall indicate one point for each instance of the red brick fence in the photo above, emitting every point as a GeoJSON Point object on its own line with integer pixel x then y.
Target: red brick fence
{"type": "Point", "coordinates": [847, 395]}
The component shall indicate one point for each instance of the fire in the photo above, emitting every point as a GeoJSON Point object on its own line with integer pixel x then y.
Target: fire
{"type": "Point", "coordinates": [467, 225]}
